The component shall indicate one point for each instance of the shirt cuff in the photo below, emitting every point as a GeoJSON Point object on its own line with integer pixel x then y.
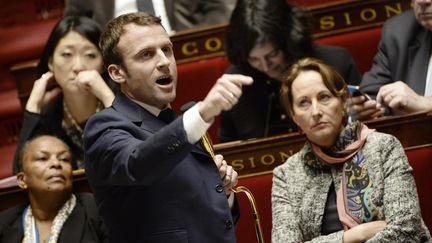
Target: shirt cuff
{"type": "Point", "coordinates": [194, 125]}
{"type": "Point", "coordinates": [231, 199]}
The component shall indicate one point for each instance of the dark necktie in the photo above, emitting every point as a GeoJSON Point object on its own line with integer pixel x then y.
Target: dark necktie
{"type": "Point", "coordinates": [146, 6]}
{"type": "Point", "coordinates": [167, 115]}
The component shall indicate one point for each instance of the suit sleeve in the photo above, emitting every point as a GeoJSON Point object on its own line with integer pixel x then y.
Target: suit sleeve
{"type": "Point", "coordinates": [98, 228]}
{"type": "Point", "coordinates": [380, 73]}
{"type": "Point", "coordinates": [121, 153]}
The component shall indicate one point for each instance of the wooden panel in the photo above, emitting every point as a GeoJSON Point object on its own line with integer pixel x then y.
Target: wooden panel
{"type": "Point", "coordinates": [355, 15]}
{"type": "Point", "coordinates": [330, 19]}
{"type": "Point", "coordinates": [260, 156]}
{"type": "Point", "coordinates": [25, 74]}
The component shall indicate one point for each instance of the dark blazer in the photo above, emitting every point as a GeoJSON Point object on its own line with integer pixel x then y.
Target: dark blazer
{"type": "Point", "coordinates": [48, 122]}
{"type": "Point", "coordinates": [403, 55]}
{"type": "Point", "coordinates": [259, 112]}
{"type": "Point", "coordinates": [82, 226]}
{"type": "Point", "coordinates": [150, 183]}
{"type": "Point", "coordinates": [182, 14]}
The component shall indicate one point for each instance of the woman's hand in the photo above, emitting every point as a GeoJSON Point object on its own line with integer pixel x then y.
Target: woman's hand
{"type": "Point", "coordinates": [91, 81]}
{"type": "Point", "coordinates": [39, 95]}
{"type": "Point", "coordinates": [363, 232]}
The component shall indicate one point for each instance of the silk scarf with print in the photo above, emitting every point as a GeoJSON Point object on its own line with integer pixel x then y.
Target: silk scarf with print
{"type": "Point", "coordinates": [354, 202]}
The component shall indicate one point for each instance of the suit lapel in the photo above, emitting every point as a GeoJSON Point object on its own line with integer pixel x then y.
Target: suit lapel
{"type": "Point", "coordinates": [73, 228]}
{"type": "Point", "coordinates": [138, 115]}
{"type": "Point", "coordinates": [198, 150]}
{"type": "Point", "coordinates": [418, 58]}
{"type": "Point", "coordinates": [141, 117]}
{"type": "Point", "coordinates": [14, 233]}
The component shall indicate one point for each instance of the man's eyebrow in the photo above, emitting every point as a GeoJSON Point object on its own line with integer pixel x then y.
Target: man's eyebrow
{"type": "Point", "coordinates": [168, 43]}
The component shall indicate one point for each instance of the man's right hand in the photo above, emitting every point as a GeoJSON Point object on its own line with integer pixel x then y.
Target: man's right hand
{"type": "Point", "coordinates": [363, 109]}
{"type": "Point", "coordinates": [39, 95]}
{"type": "Point", "coordinates": [224, 94]}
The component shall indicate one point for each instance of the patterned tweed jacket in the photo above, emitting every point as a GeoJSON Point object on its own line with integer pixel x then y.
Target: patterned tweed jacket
{"type": "Point", "coordinates": [299, 195]}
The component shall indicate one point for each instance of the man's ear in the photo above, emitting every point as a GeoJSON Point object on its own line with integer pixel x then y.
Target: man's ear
{"type": "Point", "coordinates": [117, 73]}
{"type": "Point", "coordinates": [21, 180]}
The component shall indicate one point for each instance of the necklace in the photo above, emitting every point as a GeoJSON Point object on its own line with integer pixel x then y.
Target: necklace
{"type": "Point", "coordinates": [72, 119]}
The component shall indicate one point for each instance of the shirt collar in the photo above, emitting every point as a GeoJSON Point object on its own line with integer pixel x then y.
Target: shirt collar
{"type": "Point", "coordinates": [152, 109]}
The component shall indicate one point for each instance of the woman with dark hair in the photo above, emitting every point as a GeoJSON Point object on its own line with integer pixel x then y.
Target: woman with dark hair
{"type": "Point", "coordinates": [53, 214]}
{"type": "Point", "coordinates": [70, 88]}
{"type": "Point", "coordinates": [348, 183]}
{"type": "Point", "coordinates": [264, 38]}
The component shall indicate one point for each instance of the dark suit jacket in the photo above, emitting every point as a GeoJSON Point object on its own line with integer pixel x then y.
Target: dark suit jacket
{"type": "Point", "coordinates": [259, 112]}
{"type": "Point", "coordinates": [82, 226]}
{"type": "Point", "coordinates": [150, 183]}
{"type": "Point", "coordinates": [182, 14]}
{"type": "Point", "coordinates": [49, 122]}
{"type": "Point", "coordinates": [403, 54]}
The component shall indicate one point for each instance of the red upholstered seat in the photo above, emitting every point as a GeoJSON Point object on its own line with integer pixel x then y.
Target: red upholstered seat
{"type": "Point", "coordinates": [421, 161]}
{"type": "Point", "coordinates": [195, 80]}
{"type": "Point", "coordinates": [6, 157]}
{"type": "Point", "coordinates": [260, 186]}
{"type": "Point", "coordinates": [362, 44]}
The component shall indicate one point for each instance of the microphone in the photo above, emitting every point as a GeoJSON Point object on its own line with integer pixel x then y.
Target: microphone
{"type": "Point", "coordinates": [187, 106]}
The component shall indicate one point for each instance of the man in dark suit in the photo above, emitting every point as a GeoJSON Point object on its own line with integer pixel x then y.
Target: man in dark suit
{"type": "Point", "coordinates": [401, 76]}
{"type": "Point", "coordinates": [182, 14]}
{"type": "Point", "coordinates": [151, 178]}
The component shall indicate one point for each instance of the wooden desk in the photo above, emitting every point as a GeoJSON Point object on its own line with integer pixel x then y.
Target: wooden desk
{"type": "Point", "coordinates": [260, 156]}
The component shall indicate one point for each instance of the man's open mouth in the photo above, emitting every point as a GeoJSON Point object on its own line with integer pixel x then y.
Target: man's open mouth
{"type": "Point", "coordinates": [164, 80]}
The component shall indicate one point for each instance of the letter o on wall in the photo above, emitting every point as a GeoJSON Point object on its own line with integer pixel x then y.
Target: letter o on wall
{"type": "Point", "coordinates": [213, 44]}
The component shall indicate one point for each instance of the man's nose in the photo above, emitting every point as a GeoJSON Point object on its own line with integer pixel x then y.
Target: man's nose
{"type": "Point", "coordinates": [164, 60]}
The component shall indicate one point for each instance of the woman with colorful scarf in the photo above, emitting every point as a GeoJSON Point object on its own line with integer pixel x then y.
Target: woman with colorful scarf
{"type": "Point", "coordinates": [348, 183]}
{"type": "Point", "coordinates": [53, 214]}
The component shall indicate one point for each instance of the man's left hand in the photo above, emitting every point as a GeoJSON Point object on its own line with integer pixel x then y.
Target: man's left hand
{"type": "Point", "coordinates": [227, 173]}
